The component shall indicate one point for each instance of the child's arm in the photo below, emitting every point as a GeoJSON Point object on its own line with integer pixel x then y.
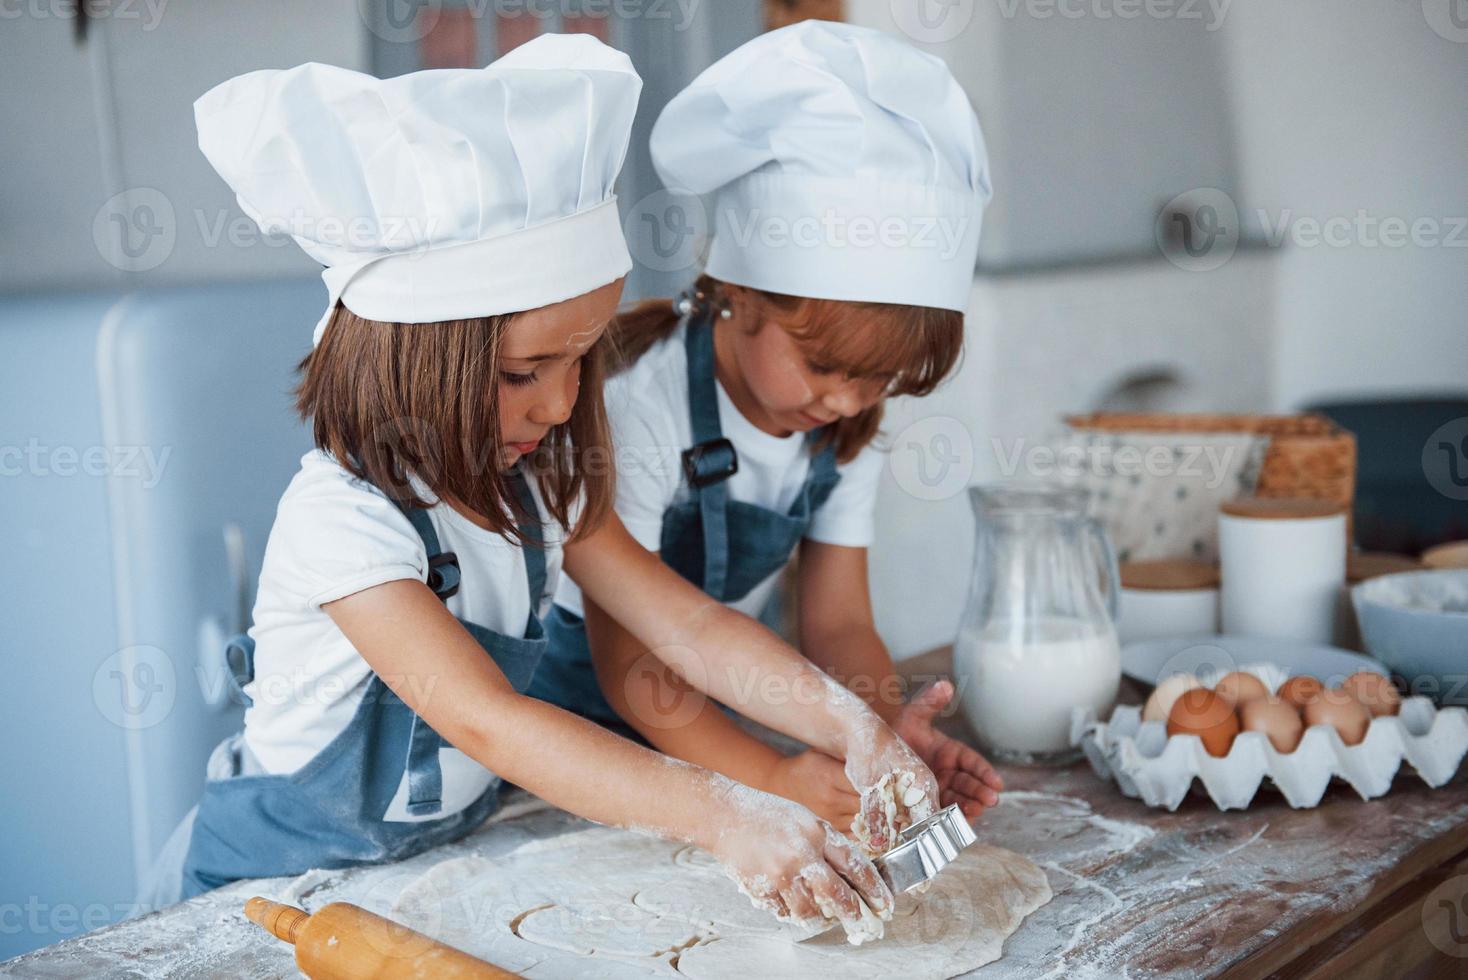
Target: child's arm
{"type": "Point", "coordinates": [681, 721]}
{"type": "Point", "coordinates": [839, 633]}
{"type": "Point", "coordinates": [784, 857]}
{"type": "Point", "coordinates": [723, 653]}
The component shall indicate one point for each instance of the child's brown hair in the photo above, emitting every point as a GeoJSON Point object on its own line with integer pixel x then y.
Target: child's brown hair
{"type": "Point", "coordinates": [912, 348]}
{"type": "Point", "coordinates": [388, 400]}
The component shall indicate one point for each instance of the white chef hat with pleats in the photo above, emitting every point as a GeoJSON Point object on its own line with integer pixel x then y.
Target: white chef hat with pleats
{"type": "Point", "coordinates": [440, 194]}
{"type": "Point", "coordinates": [844, 163]}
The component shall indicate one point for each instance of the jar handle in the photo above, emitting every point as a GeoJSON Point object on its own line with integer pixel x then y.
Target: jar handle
{"type": "Point", "coordinates": [1110, 570]}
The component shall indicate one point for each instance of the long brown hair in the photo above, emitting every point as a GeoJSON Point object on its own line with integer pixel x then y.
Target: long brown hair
{"type": "Point", "coordinates": [914, 347]}
{"type": "Point", "coordinates": [388, 400]}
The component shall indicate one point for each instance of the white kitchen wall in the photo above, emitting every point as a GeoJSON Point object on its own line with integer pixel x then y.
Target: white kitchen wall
{"type": "Point", "coordinates": [115, 116]}
{"type": "Point", "coordinates": [1305, 110]}
{"type": "Point", "coordinates": [1340, 111]}
{"type": "Point", "coordinates": [1093, 122]}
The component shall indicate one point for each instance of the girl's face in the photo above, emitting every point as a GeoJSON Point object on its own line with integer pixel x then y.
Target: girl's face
{"type": "Point", "coordinates": [540, 366]}
{"type": "Point", "coordinates": [788, 385]}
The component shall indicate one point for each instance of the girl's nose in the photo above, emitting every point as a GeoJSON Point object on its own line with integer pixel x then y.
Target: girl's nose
{"type": "Point", "coordinates": [844, 400]}
{"type": "Point", "coordinates": [555, 409]}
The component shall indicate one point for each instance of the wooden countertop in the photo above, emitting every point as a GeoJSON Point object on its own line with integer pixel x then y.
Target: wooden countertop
{"type": "Point", "coordinates": [1351, 886]}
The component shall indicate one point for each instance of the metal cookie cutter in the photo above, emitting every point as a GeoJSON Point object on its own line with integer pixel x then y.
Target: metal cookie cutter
{"type": "Point", "coordinates": [924, 849]}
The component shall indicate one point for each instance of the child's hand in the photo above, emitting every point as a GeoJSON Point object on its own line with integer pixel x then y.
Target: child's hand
{"type": "Point", "coordinates": [797, 867]}
{"type": "Point", "coordinates": [964, 776]}
{"type": "Point", "coordinates": [897, 788]}
{"type": "Point", "coordinates": [819, 782]}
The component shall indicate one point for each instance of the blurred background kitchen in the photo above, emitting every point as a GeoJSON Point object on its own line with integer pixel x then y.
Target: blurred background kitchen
{"type": "Point", "coordinates": [1201, 206]}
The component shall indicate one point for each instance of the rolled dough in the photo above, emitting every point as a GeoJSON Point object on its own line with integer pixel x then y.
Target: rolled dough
{"type": "Point", "coordinates": [606, 903]}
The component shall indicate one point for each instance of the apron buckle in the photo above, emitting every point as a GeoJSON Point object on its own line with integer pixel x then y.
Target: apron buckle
{"type": "Point", "coordinates": [710, 462]}
{"type": "Point", "coordinates": [443, 574]}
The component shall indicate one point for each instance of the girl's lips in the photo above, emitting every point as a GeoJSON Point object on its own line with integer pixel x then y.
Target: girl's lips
{"type": "Point", "coordinates": [525, 448]}
{"type": "Point", "coordinates": [812, 421]}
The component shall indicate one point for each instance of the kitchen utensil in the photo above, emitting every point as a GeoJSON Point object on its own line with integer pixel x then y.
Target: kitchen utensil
{"type": "Point", "coordinates": [1167, 598]}
{"type": "Point", "coordinates": [1309, 456]}
{"type": "Point", "coordinates": [1038, 637]}
{"type": "Point", "coordinates": [344, 942]}
{"type": "Point", "coordinates": [1209, 654]}
{"type": "Point", "coordinates": [924, 849]}
{"type": "Point", "coordinates": [1454, 555]}
{"type": "Point", "coordinates": [1283, 564]}
{"type": "Point", "coordinates": [1417, 624]}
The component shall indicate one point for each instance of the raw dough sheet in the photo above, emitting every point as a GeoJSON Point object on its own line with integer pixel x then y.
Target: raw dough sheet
{"type": "Point", "coordinates": [605, 903]}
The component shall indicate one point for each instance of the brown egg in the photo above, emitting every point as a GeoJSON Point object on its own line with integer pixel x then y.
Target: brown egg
{"type": "Point", "coordinates": [1300, 691]}
{"type": "Point", "coordinates": [1374, 691]}
{"type": "Point", "coordinates": [1340, 711]}
{"type": "Point", "coordinates": [1277, 719]}
{"type": "Point", "coordinates": [1209, 716]}
{"type": "Point", "coordinates": [1239, 687]}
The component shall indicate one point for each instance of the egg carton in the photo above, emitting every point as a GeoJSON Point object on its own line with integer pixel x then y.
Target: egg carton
{"type": "Point", "coordinates": [1149, 765]}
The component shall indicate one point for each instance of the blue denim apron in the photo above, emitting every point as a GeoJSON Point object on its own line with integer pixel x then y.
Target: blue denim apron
{"type": "Point", "coordinates": [725, 547]}
{"type": "Point", "coordinates": [328, 813]}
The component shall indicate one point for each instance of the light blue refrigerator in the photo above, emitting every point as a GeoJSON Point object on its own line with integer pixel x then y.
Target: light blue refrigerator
{"type": "Point", "coordinates": [145, 440]}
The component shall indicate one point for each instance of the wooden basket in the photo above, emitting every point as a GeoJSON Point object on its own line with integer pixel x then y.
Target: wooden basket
{"type": "Point", "coordinates": [1309, 456]}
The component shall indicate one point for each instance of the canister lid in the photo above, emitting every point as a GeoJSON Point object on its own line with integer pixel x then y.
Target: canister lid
{"type": "Point", "coordinates": [1168, 576]}
{"type": "Point", "coordinates": [1454, 555]}
{"type": "Point", "coordinates": [1362, 565]}
{"type": "Point", "coordinates": [1281, 508]}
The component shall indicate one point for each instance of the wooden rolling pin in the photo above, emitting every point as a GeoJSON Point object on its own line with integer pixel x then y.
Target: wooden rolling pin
{"type": "Point", "coordinates": [345, 942]}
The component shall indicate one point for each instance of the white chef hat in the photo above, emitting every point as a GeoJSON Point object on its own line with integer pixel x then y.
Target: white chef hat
{"type": "Point", "coordinates": [440, 194]}
{"type": "Point", "coordinates": [848, 165]}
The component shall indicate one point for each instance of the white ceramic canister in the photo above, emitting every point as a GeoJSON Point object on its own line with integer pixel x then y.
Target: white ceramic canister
{"type": "Point", "coordinates": [1283, 564]}
{"type": "Point", "coordinates": [1167, 598]}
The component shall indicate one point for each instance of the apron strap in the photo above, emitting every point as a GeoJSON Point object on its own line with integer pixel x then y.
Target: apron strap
{"type": "Point", "coordinates": [823, 463]}
{"type": "Point", "coordinates": [425, 775]}
{"type": "Point", "coordinates": [712, 459]}
{"type": "Point", "coordinates": [532, 531]}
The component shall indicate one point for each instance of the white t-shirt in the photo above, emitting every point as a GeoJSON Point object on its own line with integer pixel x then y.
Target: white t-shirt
{"type": "Point", "coordinates": [335, 535]}
{"type": "Point", "coordinates": [648, 408]}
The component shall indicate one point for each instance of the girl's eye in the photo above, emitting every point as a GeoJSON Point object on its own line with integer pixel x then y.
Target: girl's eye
{"type": "Point", "coordinates": [517, 379]}
{"type": "Point", "coordinates": [820, 368]}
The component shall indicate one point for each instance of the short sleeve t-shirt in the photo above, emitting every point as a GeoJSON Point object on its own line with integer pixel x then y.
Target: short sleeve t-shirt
{"type": "Point", "coordinates": [648, 408]}
{"type": "Point", "coordinates": [336, 535]}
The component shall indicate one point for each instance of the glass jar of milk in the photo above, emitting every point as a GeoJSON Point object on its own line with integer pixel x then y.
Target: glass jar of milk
{"type": "Point", "coordinates": [1038, 637]}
